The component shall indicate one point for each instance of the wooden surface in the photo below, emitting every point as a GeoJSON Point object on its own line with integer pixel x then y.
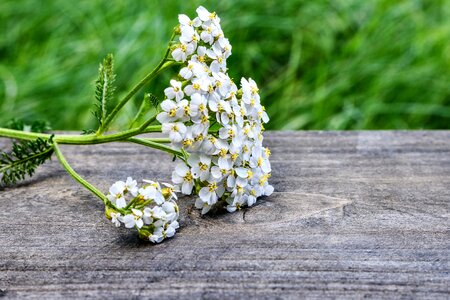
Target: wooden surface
{"type": "Point", "coordinates": [355, 214]}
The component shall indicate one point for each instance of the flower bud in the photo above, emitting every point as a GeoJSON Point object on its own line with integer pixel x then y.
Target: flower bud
{"type": "Point", "coordinates": [177, 29]}
{"type": "Point", "coordinates": [108, 211]}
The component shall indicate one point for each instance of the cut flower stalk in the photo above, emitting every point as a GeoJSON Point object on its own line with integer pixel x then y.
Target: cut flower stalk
{"type": "Point", "coordinates": [212, 128]}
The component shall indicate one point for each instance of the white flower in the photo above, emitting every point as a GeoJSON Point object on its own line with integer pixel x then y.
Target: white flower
{"type": "Point", "coordinates": [157, 236]}
{"type": "Point", "coordinates": [204, 206]}
{"type": "Point", "coordinates": [219, 63]}
{"type": "Point", "coordinates": [133, 219]}
{"type": "Point", "coordinates": [182, 175]}
{"type": "Point", "coordinates": [199, 106]}
{"type": "Point", "coordinates": [189, 35]}
{"type": "Point", "coordinates": [153, 215]}
{"type": "Point", "coordinates": [169, 113]}
{"type": "Point", "coordinates": [171, 210]}
{"type": "Point", "coordinates": [131, 186]}
{"type": "Point", "coordinates": [170, 229]}
{"type": "Point", "coordinates": [236, 203]}
{"type": "Point", "coordinates": [151, 192]}
{"type": "Point", "coordinates": [259, 159]}
{"type": "Point", "coordinates": [115, 218]}
{"type": "Point", "coordinates": [186, 21]}
{"type": "Point", "coordinates": [171, 189]}
{"type": "Point", "coordinates": [176, 131]}
{"type": "Point", "coordinates": [199, 85]}
{"type": "Point", "coordinates": [222, 170]}
{"type": "Point", "coordinates": [182, 51]}
{"type": "Point", "coordinates": [192, 68]}
{"type": "Point", "coordinates": [205, 15]}
{"type": "Point", "coordinates": [184, 110]}
{"type": "Point", "coordinates": [201, 165]}
{"type": "Point", "coordinates": [116, 194]}
{"type": "Point", "coordinates": [211, 193]}
{"type": "Point", "coordinates": [175, 91]}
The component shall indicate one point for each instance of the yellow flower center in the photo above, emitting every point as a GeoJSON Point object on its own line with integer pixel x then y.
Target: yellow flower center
{"type": "Point", "coordinates": [212, 187]}
{"type": "Point", "coordinates": [188, 177]}
{"type": "Point", "coordinates": [199, 137]}
{"type": "Point", "coordinates": [260, 161]}
{"type": "Point", "coordinates": [205, 119]}
{"type": "Point", "coordinates": [187, 110]}
{"type": "Point", "coordinates": [172, 112]}
{"type": "Point", "coordinates": [187, 143]}
{"type": "Point", "coordinates": [223, 152]}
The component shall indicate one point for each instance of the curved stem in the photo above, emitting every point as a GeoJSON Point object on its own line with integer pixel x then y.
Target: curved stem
{"type": "Point", "coordinates": [155, 145]}
{"type": "Point", "coordinates": [159, 68]}
{"type": "Point", "coordinates": [76, 176]}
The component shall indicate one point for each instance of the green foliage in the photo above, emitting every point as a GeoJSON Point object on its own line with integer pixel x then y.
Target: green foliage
{"type": "Point", "coordinates": [23, 160]}
{"type": "Point", "coordinates": [35, 126]}
{"type": "Point", "coordinates": [343, 64]}
{"type": "Point", "coordinates": [104, 89]}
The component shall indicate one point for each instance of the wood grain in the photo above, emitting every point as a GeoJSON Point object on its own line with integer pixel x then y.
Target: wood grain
{"type": "Point", "coordinates": [354, 215]}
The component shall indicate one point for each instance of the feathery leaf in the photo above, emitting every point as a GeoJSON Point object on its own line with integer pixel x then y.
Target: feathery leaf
{"type": "Point", "coordinates": [104, 89]}
{"type": "Point", "coordinates": [23, 160]}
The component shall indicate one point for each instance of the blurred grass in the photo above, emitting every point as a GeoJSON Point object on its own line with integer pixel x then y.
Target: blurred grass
{"type": "Point", "coordinates": [347, 64]}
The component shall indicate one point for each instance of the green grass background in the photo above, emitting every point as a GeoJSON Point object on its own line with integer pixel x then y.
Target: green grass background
{"type": "Point", "coordinates": [342, 64]}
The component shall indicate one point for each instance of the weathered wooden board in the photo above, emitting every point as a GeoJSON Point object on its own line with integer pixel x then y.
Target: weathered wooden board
{"type": "Point", "coordinates": [355, 214]}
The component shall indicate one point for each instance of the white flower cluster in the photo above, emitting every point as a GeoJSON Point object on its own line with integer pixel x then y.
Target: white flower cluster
{"type": "Point", "coordinates": [150, 209]}
{"type": "Point", "coordinates": [219, 125]}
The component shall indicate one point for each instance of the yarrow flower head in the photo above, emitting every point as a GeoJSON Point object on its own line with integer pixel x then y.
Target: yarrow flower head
{"type": "Point", "coordinates": [150, 209]}
{"type": "Point", "coordinates": [218, 124]}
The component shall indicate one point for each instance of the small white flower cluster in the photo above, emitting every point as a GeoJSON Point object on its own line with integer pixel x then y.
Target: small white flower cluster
{"type": "Point", "coordinates": [219, 125]}
{"type": "Point", "coordinates": [150, 209]}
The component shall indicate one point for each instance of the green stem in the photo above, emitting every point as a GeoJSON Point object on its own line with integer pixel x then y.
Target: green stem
{"type": "Point", "coordinates": [76, 176]}
{"type": "Point", "coordinates": [83, 139]}
{"type": "Point", "coordinates": [159, 146]}
{"type": "Point", "coordinates": [153, 128]}
{"type": "Point", "coordinates": [164, 64]}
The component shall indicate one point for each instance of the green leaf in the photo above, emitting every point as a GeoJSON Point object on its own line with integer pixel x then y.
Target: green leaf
{"type": "Point", "coordinates": [23, 160]}
{"type": "Point", "coordinates": [146, 105]}
{"type": "Point", "coordinates": [104, 89]}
